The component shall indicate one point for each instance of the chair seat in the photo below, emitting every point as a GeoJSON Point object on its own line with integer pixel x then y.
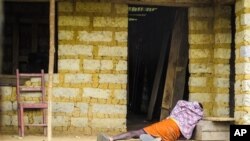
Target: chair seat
{"type": "Point", "coordinates": [33, 105]}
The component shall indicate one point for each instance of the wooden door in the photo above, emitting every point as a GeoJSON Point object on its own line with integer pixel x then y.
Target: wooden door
{"type": "Point", "coordinates": [177, 64]}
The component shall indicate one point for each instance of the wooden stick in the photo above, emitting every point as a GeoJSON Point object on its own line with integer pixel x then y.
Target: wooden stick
{"type": "Point", "coordinates": [51, 64]}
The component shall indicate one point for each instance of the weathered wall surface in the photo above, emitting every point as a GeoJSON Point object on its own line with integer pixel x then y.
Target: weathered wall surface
{"type": "Point", "coordinates": [92, 67]}
{"type": "Point", "coordinates": [89, 91]}
{"type": "Point", "coordinates": [209, 54]}
{"type": "Point", "coordinates": [242, 62]}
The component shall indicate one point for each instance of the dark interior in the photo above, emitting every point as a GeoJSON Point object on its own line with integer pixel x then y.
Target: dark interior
{"type": "Point", "coordinates": [26, 37]}
{"type": "Point", "coordinates": [149, 37]}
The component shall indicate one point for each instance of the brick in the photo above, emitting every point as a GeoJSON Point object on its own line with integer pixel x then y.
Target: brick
{"type": "Point", "coordinates": [108, 123]}
{"type": "Point", "coordinates": [200, 68]}
{"type": "Point", "coordinates": [222, 11]}
{"type": "Point", "coordinates": [121, 8]}
{"type": "Point", "coordinates": [91, 7]}
{"type": "Point", "coordinates": [221, 112]}
{"type": "Point", "coordinates": [65, 35]}
{"type": "Point", "coordinates": [37, 119]}
{"type": "Point", "coordinates": [242, 99]}
{"type": "Point", "coordinates": [105, 36]}
{"type": "Point", "coordinates": [222, 23]}
{"type": "Point", "coordinates": [200, 12]}
{"type": "Point", "coordinates": [109, 109]}
{"type": "Point", "coordinates": [15, 122]}
{"type": "Point", "coordinates": [60, 121]}
{"type": "Point", "coordinates": [73, 21]}
{"type": "Point", "coordinates": [91, 64]}
{"type": "Point", "coordinates": [242, 4]}
{"type": "Point", "coordinates": [223, 38]}
{"type": "Point", "coordinates": [69, 64]}
{"type": "Point", "coordinates": [245, 51]}
{"type": "Point", "coordinates": [55, 78]}
{"type": "Point", "coordinates": [200, 24]}
{"type": "Point", "coordinates": [246, 119]}
{"type": "Point", "coordinates": [242, 36]}
{"type": "Point", "coordinates": [106, 64]}
{"type": "Point", "coordinates": [198, 81]}
{"type": "Point", "coordinates": [5, 91]}
{"type": "Point", "coordinates": [222, 69]}
{"type": "Point", "coordinates": [199, 53]}
{"type": "Point", "coordinates": [239, 114]}
{"type": "Point", "coordinates": [121, 66]}
{"type": "Point", "coordinates": [113, 78]}
{"type": "Point", "coordinates": [110, 22]}
{"type": "Point", "coordinates": [245, 19]}
{"type": "Point", "coordinates": [62, 107]}
{"type": "Point", "coordinates": [78, 78]}
{"type": "Point", "coordinates": [83, 107]}
{"type": "Point", "coordinates": [201, 38]}
{"type": "Point", "coordinates": [121, 36]}
{"type": "Point", "coordinates": [201, 97]}
{"type": "Point", "coordinates": [222, 53]}
{"type": "Point", "coordinates": [65, 6]}
{"type": "Point", "coordinates": [245, 85]}
{"type": "Point", "coordinates": [65, 92]}
{"type": "Point", "coordinates": [5, 120]}
{"type": "Point", "coordinates": [221, 82]}
{"type": "Point", "coordinates": [242, 68]}
{"type": "Point", "coordinates": [79, 122]}
{"type": "Point", "coordinates": [120, 94]}
{"type": "Point", "coordinates": [113, 51]}
{"type": "Point", "coordinates": [237, 85]}
{"type": "Point", "coordinates": [222, 98]}
{"type": "Point", "coordinates": [96, 93]}
{"type": "Point", "coordinates": [75, 50]}
{"type": "Point", "coordinates": [6, 106]}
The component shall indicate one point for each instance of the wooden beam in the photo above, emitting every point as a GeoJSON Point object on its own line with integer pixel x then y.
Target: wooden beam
{"type": "Point", "coordinates": [136, 2]}
{"type": "Point", "coordinates": [51, 64]}
{"type": "Point", "coordinates": [224, 2]}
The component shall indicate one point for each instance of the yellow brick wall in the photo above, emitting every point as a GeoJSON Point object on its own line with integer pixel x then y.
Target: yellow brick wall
{"type": "Point", "coordinates": [201, 43]}
{"type": "Point", "coordinates": [242, 89]}
{"type": "Point", "coordinates": [209, 54]}
{"type": "Point", "coordinates": [92, 66]}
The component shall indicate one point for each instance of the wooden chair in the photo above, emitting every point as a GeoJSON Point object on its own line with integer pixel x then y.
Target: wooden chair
{"type": "Point", "coordinates": [22, 105]}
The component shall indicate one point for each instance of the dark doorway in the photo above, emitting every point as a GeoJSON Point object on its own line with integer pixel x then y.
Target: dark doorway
{"type": "Point", "coordinates": [149, 40]}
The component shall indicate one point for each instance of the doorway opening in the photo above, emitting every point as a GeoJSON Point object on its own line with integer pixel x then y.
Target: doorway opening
{"type": "Point", "coordinates": [150, 39]}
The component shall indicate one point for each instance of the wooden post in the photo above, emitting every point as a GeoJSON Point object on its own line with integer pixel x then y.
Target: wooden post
{"type": "Point", "coordinates": [51, 63]}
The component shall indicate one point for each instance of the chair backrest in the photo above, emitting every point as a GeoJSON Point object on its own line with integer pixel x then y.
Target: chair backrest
{"type": "Point", "coordinates": [20, 88]}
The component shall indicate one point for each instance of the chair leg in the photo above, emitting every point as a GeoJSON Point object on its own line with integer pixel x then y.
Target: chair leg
{"type": "Point", "coordinates": [22, 121]}
{"type": "Point", "coordinates": [19, 121]}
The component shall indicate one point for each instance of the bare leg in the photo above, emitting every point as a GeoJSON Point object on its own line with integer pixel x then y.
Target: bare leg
{"type": "Point", "coordinates": [129, 135]}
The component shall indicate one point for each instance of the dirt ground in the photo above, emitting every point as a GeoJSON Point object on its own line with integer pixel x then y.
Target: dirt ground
{"type": "Point", "coordinates": [54, 138]}
{"type": "Point", "coordinates": [43, 138]}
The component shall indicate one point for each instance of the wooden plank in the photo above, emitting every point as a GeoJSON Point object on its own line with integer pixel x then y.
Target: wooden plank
{"type": "Point", "coordinates": [157, 78]}
{"type": "Point", "coordinates": [176, 64]}
{"type": "Point", "coordinates": [182, 58]}
{"type": "Point", "coordinates": [51, 65]}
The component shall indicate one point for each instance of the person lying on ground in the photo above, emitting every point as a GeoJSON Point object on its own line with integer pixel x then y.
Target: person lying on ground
{"type": "Point", "coordinates": [181, 123]}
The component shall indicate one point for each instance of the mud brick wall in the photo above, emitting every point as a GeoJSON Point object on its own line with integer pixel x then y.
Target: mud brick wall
{"type": "Point", "coordinates": [209, 54]}
{"type": "Point", "coordinates": [89, 90]}
{"type": "Point", "coordinates": [91, 93]}
{"type": "Point", "coordinates": [242, 41]}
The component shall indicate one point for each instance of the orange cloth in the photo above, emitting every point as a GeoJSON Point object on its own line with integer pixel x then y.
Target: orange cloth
{"type": "Point", "coordinates": [166, 129]}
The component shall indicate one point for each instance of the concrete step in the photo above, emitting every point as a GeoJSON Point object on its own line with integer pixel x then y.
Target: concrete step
{"type": "Point", "coordinates": [213, 129]}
